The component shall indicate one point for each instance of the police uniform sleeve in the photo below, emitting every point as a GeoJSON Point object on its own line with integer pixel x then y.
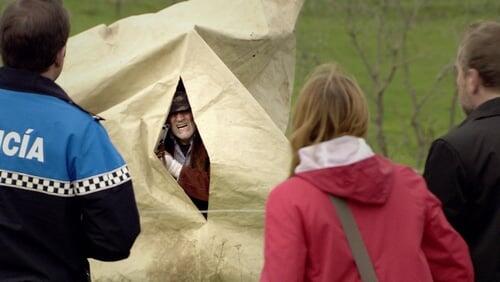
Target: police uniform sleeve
{"type": "Point", "coordinates": [110, 218]}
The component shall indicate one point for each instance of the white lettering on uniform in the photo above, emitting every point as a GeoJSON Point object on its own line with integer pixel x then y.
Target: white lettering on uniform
{"type": "Point", "coordinates": [24, 145]}
{"type": "Point", "coordinates": [11, 144]}
{"type": "Point", "coordinates": [11, 150]}
{"type": "Point", "coordinates": [36, 150]}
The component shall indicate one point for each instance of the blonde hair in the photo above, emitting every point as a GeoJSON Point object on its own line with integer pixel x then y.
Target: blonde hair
{"type": "Point", "coordinates": [330, 105]}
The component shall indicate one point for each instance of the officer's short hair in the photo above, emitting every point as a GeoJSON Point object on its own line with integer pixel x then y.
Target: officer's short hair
{"type": "Point", "coordinates": [32, 32]}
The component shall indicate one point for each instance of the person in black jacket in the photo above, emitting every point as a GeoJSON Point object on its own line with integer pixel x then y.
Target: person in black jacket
{"type": "Point", "coordinates": [463, 167]}
{"type": "Point", "coordinates": [65, 192]}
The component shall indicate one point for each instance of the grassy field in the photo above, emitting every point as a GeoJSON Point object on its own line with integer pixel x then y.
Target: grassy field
{"type": "Point", "coordinates": [322, 37]}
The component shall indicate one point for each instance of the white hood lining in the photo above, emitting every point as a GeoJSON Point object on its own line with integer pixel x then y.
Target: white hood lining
{"type": "Point", "coordinates": [336, 152]}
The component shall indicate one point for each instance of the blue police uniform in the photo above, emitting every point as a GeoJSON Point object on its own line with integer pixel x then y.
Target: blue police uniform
{"type": "Point", "coordinates": [65, 192]}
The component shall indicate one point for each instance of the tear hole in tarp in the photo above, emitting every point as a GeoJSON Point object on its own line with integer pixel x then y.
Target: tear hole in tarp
{"type": "Point", "coordinates": [180, 144]}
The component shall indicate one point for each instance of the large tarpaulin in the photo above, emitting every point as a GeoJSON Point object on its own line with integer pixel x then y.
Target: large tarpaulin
{"type": "Point", "coordinates": [236, 59]}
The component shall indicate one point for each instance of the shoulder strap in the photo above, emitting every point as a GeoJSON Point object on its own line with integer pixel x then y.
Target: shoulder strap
{"type": "Point", "coordinates": [358, 248]}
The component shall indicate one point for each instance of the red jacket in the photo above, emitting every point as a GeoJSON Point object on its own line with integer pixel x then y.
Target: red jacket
{"type": "Point", "coordinates": [401, 222]}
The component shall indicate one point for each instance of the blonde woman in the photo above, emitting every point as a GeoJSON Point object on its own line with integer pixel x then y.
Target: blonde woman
{"type": "Point", "coordinates": [401, 224]}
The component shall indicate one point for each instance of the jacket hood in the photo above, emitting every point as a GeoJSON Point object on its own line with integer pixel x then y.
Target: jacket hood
{"type": "Point", "coordinates": [348, 168]}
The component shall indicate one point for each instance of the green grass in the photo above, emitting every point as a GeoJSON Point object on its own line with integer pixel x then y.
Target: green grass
{"type": "Point", "coordinates": [88, 13]}
{"type": "Point", "coordinates": [321, 37]}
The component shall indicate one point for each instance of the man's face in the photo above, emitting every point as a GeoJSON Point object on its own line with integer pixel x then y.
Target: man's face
{"type": "Point", "coordinates": [182, 126]}
{"type": "Point", "coordinates": [462, 90]}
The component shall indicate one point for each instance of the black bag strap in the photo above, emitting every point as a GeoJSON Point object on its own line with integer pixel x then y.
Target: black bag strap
{"type": "Point", "coordinates": [358, 248]}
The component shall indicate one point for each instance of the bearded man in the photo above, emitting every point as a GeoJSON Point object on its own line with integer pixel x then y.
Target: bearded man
{"type": "Point", "coordinates": [463, 166]}
{"type": "Point", "coordinates": [183, 153]}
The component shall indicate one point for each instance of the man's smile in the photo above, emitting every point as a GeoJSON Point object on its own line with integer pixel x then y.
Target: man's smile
{"type": "Point", "coordinates": [182, 125]}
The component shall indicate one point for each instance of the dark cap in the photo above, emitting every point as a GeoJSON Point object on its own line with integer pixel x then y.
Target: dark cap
{"type": "Point", "coordinates": [180, 101]}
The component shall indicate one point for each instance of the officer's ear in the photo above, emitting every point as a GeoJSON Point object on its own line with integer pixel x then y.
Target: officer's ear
{"type": "Point", "coordinates": [59, 62]}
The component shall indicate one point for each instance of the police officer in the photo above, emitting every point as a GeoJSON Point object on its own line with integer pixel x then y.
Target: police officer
{"type": "Point", "coordinates": [65, 192]}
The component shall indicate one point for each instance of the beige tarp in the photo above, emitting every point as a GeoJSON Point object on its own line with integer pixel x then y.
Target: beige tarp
{"type": "Point", "coordinates": [236, 58]}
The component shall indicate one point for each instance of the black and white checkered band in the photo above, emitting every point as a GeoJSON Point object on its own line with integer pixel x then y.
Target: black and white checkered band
{"type": "Point", "coordinates": [65, 188]}
{"type": "Point", "coordinates": [102, 181]}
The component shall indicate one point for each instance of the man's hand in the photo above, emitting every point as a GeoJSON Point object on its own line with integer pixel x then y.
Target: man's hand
{"type": "Point", "coordinates": [173, 166]}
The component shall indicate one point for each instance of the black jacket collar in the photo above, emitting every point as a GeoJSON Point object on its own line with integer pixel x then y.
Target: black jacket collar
{"type": "Point", "coordinates": [486, 109]}
{"type": "Point", "coordinates": [32, 82]}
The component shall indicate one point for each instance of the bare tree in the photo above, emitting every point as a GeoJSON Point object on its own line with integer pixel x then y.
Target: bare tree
{"type": "Point", "coordinates": [118, 7]}
{"type": "Point", "coordinates": [423, 134]}
{"type": "Point", "coordinates": [453, 110]}
{"type": "Point", "coordinates": [394, 20]}
{"type": "Point", "coordinates": [391, 36]}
